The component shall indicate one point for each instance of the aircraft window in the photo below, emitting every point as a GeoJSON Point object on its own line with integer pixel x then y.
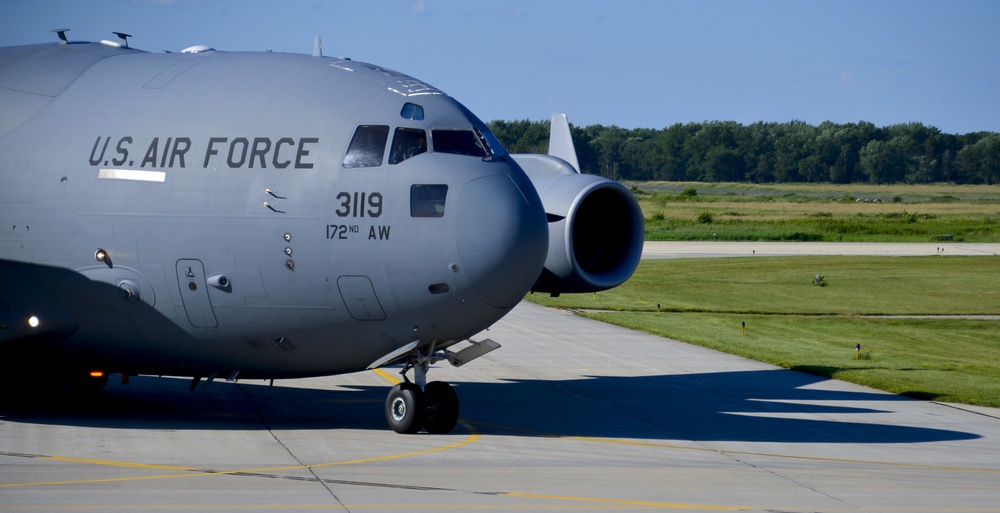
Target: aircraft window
{"type": "Point", "coordinates": [367, 147]}
{"type": "Point", "coordinates": [427, 200]}
{"type": "Point", "coordinates": [412, 111]}
{"type": "Point", "coordinates": [406, 143]}
{"type": "Point", "coordinates": [461, 142]}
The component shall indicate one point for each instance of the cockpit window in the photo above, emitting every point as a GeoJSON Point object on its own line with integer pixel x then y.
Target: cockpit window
{"type": "Point", "coordinates": [406, 143]}
{"type": "Point", "coordinates": [428, 200]}
{"type": "Point", "coordinates": [460, 142]}
{"type": "Point", "coordinates": [412, 111]}
{"type": "Point", "coordinates": [367, 147]}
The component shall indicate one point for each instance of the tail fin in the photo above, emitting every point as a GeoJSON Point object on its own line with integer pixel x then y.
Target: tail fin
{"type": "Point", "coordinates": [561, 142]}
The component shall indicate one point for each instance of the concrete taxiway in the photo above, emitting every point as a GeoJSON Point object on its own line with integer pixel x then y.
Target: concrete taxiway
{"type": "Point", "coordinates": [570, 414]}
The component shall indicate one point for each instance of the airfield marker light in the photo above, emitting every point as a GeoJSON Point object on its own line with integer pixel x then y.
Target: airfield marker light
{"type": "Point", "coordinates": [97, 374]}
{"type": "Point", "coordinates": [33, 321]}
{"type": "Point", "coordinates": [657, 309]}
{"type": "Point", "coordinates": [857, 352]}
{"type": "Point", "coordinates": [744, 328]}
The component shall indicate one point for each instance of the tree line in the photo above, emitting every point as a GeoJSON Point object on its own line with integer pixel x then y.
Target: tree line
{"type": "Point", "coordinates": [727, 151]}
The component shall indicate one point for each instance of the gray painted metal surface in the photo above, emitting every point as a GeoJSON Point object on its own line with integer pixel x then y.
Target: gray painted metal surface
{"type": "Point", "coordinates": [177, 214]}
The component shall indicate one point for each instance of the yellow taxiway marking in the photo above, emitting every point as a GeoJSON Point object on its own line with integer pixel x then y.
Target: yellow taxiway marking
{"type": "Point", "coordinates": [388, 377]}
{"type": "Point", "coordinates": [642, 443]}
{"type": "Point", "coordinates": [568, 502]}
{"type": "Point", "coordinates": [188, 472]}
{"type": "Point", "coordinates": [577, 503]}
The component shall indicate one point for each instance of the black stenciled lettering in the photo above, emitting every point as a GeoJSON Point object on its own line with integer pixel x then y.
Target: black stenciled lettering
{"type": "Point", "coordinates": [181, 147]}
{"type": "Point", "coordinates": [375, 204]}
{"type": "Point", "coordinates": [212, 141]}
{"type": "Point", "coordinates": [281, 164]}
{"type": "Point", "coordinates": [336, 231]}
{"type": "Point", "coordinates": [122, 149]}
{"type": "Point", "coordinates": [360, 204]}
{"type": "Point", "coordinates": [241, 141]}
{"type": "Point", "coordinates": [261, 145]}
{"type": "Point", "coordinates": [303, 152]}
{"type": "Point", "coordinates": [381, 234]}
{"type": "Point", "coordinates": [96, 161]}
{"type": "Point", "coordinates": [345, 204]}
{"type": "Point", "coordinates": [166, 148]}
{"type": "Point", "coordinates": [150, 157]}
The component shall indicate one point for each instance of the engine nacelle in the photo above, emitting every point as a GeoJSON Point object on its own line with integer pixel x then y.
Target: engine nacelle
{"type": "Point", "coordinates": [596, 231]}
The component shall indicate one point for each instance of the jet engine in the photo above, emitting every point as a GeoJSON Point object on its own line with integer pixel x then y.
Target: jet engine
{"type": "Point", "coordinates": [595, 233]}
{"type": "Point", "coordinates": [596, 228]}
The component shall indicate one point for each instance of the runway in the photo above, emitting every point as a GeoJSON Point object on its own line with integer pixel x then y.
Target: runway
{"type": "Point", "coordinates": [570, 414]}
{"type": "Point", "coordinates": [700, 249]}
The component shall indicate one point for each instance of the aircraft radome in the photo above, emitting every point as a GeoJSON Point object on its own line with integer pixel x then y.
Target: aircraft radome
{"type": "Point", "coordinates": [267, 215]}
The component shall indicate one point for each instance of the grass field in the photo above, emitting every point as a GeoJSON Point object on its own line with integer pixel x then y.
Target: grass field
{"type": "Point", "coordinates": [789, 212]}
{"type": "Point", "coordinates": [794, 323]}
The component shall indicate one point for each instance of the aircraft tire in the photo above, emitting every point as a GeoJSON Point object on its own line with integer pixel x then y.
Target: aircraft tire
{"type": "Point", "coordinates": [404, 408]}
{"type": "Point", "coordinates": [441, 407]}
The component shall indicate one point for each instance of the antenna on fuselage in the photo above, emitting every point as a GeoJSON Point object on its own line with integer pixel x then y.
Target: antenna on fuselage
{"type": "Point", "coordinates": [62, 35]}
{"type": "Point", "coordinates": [317, 47]}
{"type": "Point", "coordinates": [123, 38]}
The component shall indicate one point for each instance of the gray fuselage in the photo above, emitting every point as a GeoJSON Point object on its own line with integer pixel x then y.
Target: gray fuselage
{"type": "Point", "coordinates": [218, 212]}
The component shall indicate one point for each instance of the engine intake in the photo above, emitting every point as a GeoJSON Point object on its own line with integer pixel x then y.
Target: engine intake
{"type": "Point", "coordinates": [596, 232]}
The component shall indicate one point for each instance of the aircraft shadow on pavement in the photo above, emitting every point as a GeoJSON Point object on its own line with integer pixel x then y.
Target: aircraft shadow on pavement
{"type": "Point", "coordinates": [749, 406]}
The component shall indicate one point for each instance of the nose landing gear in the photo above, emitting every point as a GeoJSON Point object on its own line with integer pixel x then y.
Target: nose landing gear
{"type": "Point", "coordinates": [433, 406]}
{"type": "Point", "coordinates": [403, 408]}
{"type": "Point", "coordinates": [408, 409]}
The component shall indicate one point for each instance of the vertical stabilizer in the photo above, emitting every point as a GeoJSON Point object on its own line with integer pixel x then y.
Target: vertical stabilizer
{"type": "Point", "coordinates": [561, 142]}
{"type": "Point", "coordinates": [317, 47]}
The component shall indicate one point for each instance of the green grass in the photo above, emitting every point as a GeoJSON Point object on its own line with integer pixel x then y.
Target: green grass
{"type": "Point", "coordinates": [793, 323]}
{"type": "Point", "coordinates": [743, 212]}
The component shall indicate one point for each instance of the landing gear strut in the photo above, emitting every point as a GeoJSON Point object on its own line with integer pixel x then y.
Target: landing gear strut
{"type": "Point", "coordinates": [433, 406]}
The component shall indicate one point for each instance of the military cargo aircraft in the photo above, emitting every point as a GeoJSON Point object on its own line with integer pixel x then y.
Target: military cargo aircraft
{"type": "Point", "coordinates": [210, 214]}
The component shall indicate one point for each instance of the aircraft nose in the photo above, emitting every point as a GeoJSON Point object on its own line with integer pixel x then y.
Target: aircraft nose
{"type": "Point", "coordinates": [502, 237]}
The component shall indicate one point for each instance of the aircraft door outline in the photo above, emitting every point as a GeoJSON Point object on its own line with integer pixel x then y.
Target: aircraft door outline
{"type": "Point", "coordinates": [194, 293]}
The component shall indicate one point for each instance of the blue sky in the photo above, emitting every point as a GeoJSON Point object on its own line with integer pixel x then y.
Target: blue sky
{"type": "Point", "coordinates": [628, 63]}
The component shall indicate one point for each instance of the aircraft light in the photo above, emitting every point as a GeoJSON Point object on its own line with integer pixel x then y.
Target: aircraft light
{"type": "Point", "coordinates": [97, 374]}
{"type": "Point", "coordinates": [33, 321]}
{"type": "Point", "coordinates": [103, 257]}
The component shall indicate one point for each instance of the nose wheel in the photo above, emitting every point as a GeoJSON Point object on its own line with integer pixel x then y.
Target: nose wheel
{"type": "Point", "coordinates": [403, 408]}
{"type": "Point", "coordinates": [408, 409]}
{"type": "Point", "coordinates": [432, 406]}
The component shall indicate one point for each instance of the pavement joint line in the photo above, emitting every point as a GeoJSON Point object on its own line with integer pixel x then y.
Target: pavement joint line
{"type": "Point", "coordinates": [640, 443]}
{"type": "Point", "coordinates": [595, 504]}
{"type": "Point", "coordinates": [187, 472]}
